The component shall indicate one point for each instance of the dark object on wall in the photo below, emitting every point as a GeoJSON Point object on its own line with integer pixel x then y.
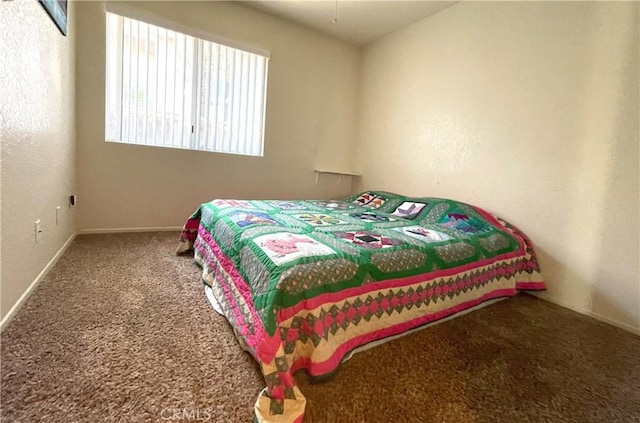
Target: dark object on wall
{"type": "Point", "coordinates": [57, 9]}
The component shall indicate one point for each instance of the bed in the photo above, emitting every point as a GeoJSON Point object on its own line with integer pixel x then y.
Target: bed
{"type": "Point", "coordinates": [305, 283]}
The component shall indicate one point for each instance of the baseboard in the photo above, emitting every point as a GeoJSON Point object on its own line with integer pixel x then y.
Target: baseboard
{"type": "Point", "coordinates": [7, 318]}
{"type": "Point", "coordinates": [597, 316]}
{"type": "Point", "coordinates": [124, 230]}
{"type": "Point", "coordinates": [614, 322]}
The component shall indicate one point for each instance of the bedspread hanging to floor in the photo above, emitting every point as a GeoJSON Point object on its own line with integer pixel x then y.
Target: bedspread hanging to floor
{"type": "Point", "coordinates": [303, 283]}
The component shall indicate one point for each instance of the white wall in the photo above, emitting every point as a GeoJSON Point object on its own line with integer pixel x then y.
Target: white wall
{"type": "Point", "coordinates": [529, 109]}
{"type": "Point", "coordinates": [311, 111]}
{"type": "Point", "coordinates": [38, 142]}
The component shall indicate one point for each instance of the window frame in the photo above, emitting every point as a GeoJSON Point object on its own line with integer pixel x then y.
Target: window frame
{"type": "Point", "coordinates": [149, 18]}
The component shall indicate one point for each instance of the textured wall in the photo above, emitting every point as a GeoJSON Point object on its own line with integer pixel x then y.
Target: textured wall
{"type": "Point", "coordinates": [311, 110]}
{"type": "Point", "coordinates": [529, 109]}
{"type": "Point", "coordinates": [38, 141]}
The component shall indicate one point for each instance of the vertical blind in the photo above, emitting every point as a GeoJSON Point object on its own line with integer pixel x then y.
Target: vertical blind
{"type": "Point", "coordinates": [167, 88]}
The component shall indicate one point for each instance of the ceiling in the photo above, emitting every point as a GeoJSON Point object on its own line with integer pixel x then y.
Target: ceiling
{"type": "Point", "coordinates": [359, 22]}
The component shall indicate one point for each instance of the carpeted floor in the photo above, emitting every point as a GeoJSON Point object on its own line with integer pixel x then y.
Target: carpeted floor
{"type": "Point", "coordinates": [120, 331]}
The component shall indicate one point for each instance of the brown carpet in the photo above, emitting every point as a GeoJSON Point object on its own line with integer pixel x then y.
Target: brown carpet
{"type": "Point", "coordinates": [120, 330]}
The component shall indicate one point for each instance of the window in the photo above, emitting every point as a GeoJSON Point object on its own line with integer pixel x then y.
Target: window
{"type": "Point", "coordinates": [167, 88]}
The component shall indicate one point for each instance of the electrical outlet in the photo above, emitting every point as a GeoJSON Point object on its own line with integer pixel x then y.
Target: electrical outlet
{"type": "Point", "coordinates": [57, 215]}
{"type": "Point", "coordinates": [38, 230]}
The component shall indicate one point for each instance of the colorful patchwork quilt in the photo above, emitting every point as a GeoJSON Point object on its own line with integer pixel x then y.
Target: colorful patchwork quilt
{"type": "Point", "coordinates": [303, 283]}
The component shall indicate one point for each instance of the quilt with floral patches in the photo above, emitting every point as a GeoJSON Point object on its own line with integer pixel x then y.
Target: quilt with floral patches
{"type": "Point", "coordinates": [303, 283]}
